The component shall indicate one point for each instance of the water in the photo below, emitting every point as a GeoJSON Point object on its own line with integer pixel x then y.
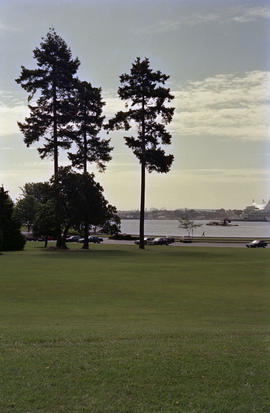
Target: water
{"type": "Point", "coordinates": [170, 227]}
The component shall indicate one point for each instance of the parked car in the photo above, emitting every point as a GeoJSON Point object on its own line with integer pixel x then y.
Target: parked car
{"type": "Point", "coordinates": [257, 244]}
{"type": "Point", "coordinates": [186, 239]}
{"type": "Point", "coordinates": [96, 240]}
{"type": "Point", "coordinates": [170, 240]}
{"type": "Point", "coordinates": [73, 238]}
{"type": "Point", "coordinates": [147, 240]}
{"type": "Point", "coordinates": [159, 241]}
{"type": "Point", "coordinates": [91, 238]}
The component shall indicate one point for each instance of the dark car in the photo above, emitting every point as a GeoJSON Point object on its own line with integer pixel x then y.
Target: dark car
{"type": "Point", "coordinates": [170, 240]}
{"type": "Point", "coordinates": [257, 244]}
{"type": "Point", "coordinates": [96, 240]}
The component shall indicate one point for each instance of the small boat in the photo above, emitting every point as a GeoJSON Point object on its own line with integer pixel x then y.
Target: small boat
{"type": "Point", "coordinates": [223, 223]}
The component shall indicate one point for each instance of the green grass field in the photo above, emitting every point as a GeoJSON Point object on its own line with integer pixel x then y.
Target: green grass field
{"type": "Point", "coordinates": [119, 330]}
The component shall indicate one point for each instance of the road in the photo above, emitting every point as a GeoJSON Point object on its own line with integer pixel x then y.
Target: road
{"type": "Point", "coordinates": [181, 244]}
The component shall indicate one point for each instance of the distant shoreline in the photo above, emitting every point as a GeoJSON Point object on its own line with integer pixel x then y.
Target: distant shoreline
{"type": "Point", "coordinates": [194, 219]}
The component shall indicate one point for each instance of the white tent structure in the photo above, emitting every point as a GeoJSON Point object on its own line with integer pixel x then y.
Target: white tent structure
{"type": "Point", "coordinates": [267, 207]}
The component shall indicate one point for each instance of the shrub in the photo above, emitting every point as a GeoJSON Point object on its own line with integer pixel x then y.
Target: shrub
{"type": "Point", "coordinates": [126, 237]}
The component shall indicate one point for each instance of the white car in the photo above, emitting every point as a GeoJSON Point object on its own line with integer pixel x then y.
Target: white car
{"type": "Point", "coordinates": [159, 241]}
{"type": "Point", "coordinates": [147, 241]}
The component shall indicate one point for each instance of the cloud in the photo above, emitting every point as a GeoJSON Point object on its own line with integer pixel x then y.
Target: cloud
{"type": "Point", "coordinates": [7, 28]}
{"type": "Point", "coordinates": [219, 15]}
{"type": "Point", "coordinates": [227, 175]}
{"type": "Point", "coordinates": [174, 25]}
{"type": "Point", "coordinates": [113, 103]}
{"type": "Point", "coordinates": [226, 105]}
{"type": "Point", "coordinates": [249, 14]}
{"type": "Point", "coordinates": [8, 99]}
{"type": "Point", "coordinates": [11, 111]}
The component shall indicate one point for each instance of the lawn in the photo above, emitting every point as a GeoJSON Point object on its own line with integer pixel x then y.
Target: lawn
{"type": "Point", "coordinates": [119, 330]}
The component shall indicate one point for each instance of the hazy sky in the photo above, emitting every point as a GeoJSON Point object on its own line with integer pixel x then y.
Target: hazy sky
{"type": "Point", "coordinates": [217, 55]}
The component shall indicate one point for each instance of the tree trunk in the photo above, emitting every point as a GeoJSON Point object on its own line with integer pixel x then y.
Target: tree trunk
{"type": "Point", "coordinates": [55, 157]}
{"type": "Point", "coordinates": [86, 235]}
{"type": "Point", "coordinates": [55, 143]}
{"type": "Point", "coordinates": [86, 224]}
{"type": "Point", "coordinates": [58, 238]}
{"type": "Point", "coordinates": [84, 141]}
{"type": "Point", "coordinates": [63, 238]}
{"type": "Point", "coordinates": [46, 241]}
{"type": "Point", "coordinates": [141, 244]}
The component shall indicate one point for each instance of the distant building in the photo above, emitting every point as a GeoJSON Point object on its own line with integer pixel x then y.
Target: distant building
{"type": "Point", "coordinates": [267, 207]}
{"type": "Point", "coordinates": [257, 212]}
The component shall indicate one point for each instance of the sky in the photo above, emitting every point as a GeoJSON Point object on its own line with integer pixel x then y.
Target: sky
{"type": "Point", "coordinates": [217, 53]}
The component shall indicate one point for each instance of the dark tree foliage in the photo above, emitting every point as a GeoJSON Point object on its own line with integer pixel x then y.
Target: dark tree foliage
{"type": "Point", "coordinates": [88, 120]}
{"type": "Point", "coordinates": [41, 212]}
{"type": "Point", "coordinates": [80, 198]}
{"type": "Point", "coordinates": [45, 223]}
{"type": "Point", "coordinates": [11, 237]}
{"type": "Point", "coordinates": [146, 102]}
{"type": "Point", "coordinates": [39, 190]}
{"type": "Point", "coordinates": [25, 211]}
{"type": "Point", "coordinates": [51, 116]}
{"type": "Point", "coordinates": [112, 226]}
{"type": "Point", "coordinates": [1, 239]}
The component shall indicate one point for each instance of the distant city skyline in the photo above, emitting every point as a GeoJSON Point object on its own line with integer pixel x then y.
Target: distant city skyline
{"type": "Point", "coordinates": [252, 204]}
{"type": "Point", "coordinates": [217, 56]}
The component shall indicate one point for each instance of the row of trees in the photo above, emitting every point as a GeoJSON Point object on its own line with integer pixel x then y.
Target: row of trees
{"type": "Point", "coordinates": [68, 110]}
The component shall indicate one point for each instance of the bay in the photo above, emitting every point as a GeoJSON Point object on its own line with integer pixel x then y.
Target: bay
{"type": "Point", "coordinates": [170, 227]}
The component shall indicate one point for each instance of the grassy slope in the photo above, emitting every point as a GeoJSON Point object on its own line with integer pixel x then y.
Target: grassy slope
{"type": "Point", "coordinates": [120, 330]}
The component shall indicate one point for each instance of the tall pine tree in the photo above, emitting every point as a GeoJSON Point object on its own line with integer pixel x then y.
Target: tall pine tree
{"type": "Point", "coordinates": [51, 115]}
{"type": "Point", "coordinates": [90, 146]}
{"type": "Point", "coordinates": [88, 120]}
{"type": "Point", "coordinates": [146, 103]}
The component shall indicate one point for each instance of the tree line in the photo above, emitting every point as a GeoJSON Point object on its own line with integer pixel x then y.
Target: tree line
{"type": "Point", "coordinates": [67, 114]}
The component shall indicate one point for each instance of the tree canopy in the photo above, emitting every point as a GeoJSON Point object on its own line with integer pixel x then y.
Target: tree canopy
{"type": "Point", "coordinates": [81, 198]}
{"type": "Point", "coordinates": [25, 211]}
{"type": "Point", "coordinates": [146, 106]}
